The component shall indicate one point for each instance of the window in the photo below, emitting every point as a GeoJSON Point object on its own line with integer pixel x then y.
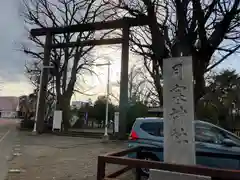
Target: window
{"type": "Point", "coordinates": [153, 128]}
{"type": "Point", "coordinates": [235, 139]}
{"type": "Point", "coordinates": [209, 134]}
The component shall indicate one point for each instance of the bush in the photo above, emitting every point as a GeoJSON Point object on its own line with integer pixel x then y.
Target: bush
{"type": "Point", "coordinates": [27, 124]}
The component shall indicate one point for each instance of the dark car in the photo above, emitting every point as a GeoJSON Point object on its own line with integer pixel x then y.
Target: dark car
{"type": "Point", "coordinates": [208, 138]}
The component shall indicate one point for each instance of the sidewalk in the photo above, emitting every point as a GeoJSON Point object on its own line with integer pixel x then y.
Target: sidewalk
{"type": "Point", "coordinates": [7, 136]}
{"type": "Point", "coordinates": [94, 130]}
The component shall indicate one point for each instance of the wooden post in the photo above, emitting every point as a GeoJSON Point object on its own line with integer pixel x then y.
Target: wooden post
{"type": "Point", "coordinates": [44, 83]}
{"type": "Point", "coordinates": [179, 142]}
{"type": "Point", "coordinates": [138, 170]}
{"type": "Point", "coordinates": [101, 167]}
{"type": "Point", "coordinates": [123, 104]}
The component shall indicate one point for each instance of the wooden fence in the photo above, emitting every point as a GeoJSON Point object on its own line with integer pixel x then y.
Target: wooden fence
{"type": "Point", "coordinates": [121, 158]}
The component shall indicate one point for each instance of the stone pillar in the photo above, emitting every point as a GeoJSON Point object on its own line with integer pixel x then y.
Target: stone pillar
{"type": "Point", "coordinates": [179, 142]}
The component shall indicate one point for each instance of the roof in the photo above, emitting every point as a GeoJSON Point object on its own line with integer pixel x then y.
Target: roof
{"type": "Point", "coordinates": [8, 103]}
{"type": "Point", "coordinates": [155, 109]}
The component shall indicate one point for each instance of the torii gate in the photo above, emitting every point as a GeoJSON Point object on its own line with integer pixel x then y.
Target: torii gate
{"type": "Point", "coordinates": [123, 24]}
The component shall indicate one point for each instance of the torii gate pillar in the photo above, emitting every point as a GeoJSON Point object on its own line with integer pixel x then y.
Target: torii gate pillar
{"type": "Point", "coordinates": [123, 104]}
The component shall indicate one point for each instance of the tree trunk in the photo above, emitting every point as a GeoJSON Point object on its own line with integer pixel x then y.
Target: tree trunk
{"type": "Point", "coordinates": [66, 116]}
{"type": "Point", "coordinates": [63, 104]}
{"type": "Point", "coordinates": [199, 87]}
{"type": "Point", "coordinates": [158, 86]}
{"type": "Point", "coordinates": [199, 81]}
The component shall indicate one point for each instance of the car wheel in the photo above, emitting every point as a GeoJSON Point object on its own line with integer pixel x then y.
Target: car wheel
{"type": "Point", "coordinates": [149, 157]}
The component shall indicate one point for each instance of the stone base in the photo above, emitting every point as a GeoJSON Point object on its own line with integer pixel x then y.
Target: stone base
{"type": "Point", "coordinates": [105, 138]}
{"type": "Point", "coordinates": [34, 133]}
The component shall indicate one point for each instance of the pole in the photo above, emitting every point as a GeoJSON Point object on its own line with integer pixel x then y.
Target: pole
{"type": "Point", "coordinates": [106, 119]}
{"type": "Point", "coordinates": [37, 105]}
{"type": "Point", "coordinates": [233, 113]}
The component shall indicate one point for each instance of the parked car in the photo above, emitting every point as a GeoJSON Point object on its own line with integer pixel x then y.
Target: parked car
{"type": "Point", "coordinates": [208, 138]}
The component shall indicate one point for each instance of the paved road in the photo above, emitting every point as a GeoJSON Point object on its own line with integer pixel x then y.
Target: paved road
{"type": "Point", "coordinates": [7, 136]}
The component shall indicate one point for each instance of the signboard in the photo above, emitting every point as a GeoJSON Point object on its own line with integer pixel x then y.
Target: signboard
{"type": "Point", "coordinates": [73, 120]}
{"type": "Point", "coordinates": [116, 122]}
{"type": "Point", "coordinates": [167, 175]}
{"type": "Point", "coordinates": [57, 120]}
{"type": "Point", "coordinates": [179, 145]}
{"type": "Point", "coordinates": [86, 118]}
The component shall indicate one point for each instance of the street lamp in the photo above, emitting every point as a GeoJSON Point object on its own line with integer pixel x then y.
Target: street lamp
{"type": "Point", "coordinates": [108, 80]}
{"type": "Point", "coordinates": [234, 112]}
{"type": "Point", "coordinates": [37, 106]}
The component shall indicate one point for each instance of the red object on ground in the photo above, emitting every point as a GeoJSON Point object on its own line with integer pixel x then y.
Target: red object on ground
{"type": "Point", "coordinates": [7, 121]}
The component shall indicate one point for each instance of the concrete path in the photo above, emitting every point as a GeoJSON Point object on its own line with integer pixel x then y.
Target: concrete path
{"type": "Point", "coordinates": [7, 136]}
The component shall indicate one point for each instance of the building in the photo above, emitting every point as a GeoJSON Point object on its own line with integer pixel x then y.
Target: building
{"type": "Point", "coordinates": [80, 104]}
{"type": "Point", "coordinates": [8, 106]}
{"type": "Point", "coordinates": [155, 111]}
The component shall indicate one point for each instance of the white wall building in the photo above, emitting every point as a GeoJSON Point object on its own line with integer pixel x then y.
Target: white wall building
{"type": "Point", "coordinates": [80, 104]}
{"type": "Point", "coordinates": [8, 106]}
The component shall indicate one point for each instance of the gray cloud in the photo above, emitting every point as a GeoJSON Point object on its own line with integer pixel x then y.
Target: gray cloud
{"type": "Point", "coordinates": [12, 33]}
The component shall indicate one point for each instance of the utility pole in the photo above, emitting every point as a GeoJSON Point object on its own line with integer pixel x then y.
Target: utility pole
{"type": "Point", "coordinates": [106, 119]}
{"type": "Point", "coordinates": [107, 99]}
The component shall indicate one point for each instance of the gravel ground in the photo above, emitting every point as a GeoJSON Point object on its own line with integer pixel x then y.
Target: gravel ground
{"type": "Point", "coordinates": [49, 157]}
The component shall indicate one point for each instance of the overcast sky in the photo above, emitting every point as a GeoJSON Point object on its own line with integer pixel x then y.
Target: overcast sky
{"type": "Point", "coordinates": [13, 81]}
{"type": "Point", "coordinates": [12, 60]}
{"type": "Point", "coordinates": [12, 33]}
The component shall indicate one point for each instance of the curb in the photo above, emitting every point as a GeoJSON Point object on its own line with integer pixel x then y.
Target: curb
{"type": "Point", "coordinates": [94, 135]}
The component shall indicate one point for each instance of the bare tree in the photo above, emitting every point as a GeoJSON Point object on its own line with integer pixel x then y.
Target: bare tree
{"type": "Point", "coordinates": [140, 87]}
{"type": "Point", "coordinates": [70, 64]}
{"type": "Point", "coordinates": [198, 28]}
